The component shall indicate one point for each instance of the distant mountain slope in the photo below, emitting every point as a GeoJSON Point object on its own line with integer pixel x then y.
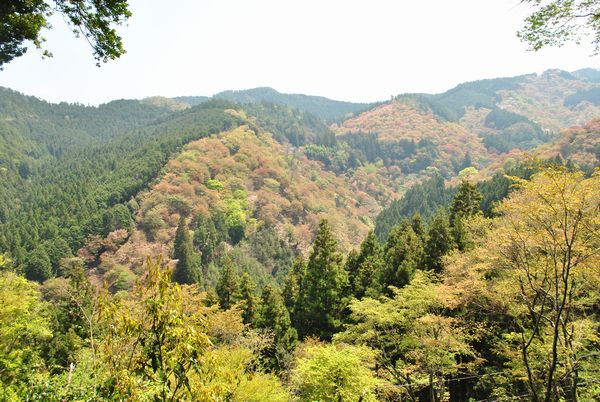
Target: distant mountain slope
{"type": "Point", "coordinates": [66, 198]}
{"type": "Point", "coordinates": [555, 99]}
{"type": "Point", "coordinates": [486, 118]}
{"type": "Point", "coordinates": [579, 145]}
{"type": "Point", "coordinates": [244, 177]}
{"type": "Point", "coordinates": [191, 100]}
{"type": "Point", "coordinates": [326, 109]}
{"type": "Point", "coordinates": [55, 128]}
{"type": "Point", "coordinates": [444, 145]}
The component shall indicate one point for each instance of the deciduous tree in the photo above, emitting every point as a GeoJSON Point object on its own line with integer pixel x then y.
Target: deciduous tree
{"type": "Point", "coordinates": [23, 20]}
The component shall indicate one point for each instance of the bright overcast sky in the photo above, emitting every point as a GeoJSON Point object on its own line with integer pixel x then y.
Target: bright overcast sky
{"type": "Point", "coordinates": [343, 49]}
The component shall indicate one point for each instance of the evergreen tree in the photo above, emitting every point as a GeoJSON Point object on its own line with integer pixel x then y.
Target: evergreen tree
{"type": "Point", "coordinates": [56, 249]}
{"type": "Point", "coordinates": [466, 203]}
{"type": "Point", "coordinates": [364, 267]}
{"type": "Point", "coordinates": [417, 226]}
{"type": "Point", "coordinates": [439, 241]}
{"type": "Point", "coordinates": [117, 217]}
{"type": "Point", "coordinates": [38, 266]}
{"type": "Point", "coordinates": [321, 296]}
{"type": "Point", "coordinates": [206, 239]}
{"type": "Point", "coordinates": [187, 269]}
{"type": "Point", "coordinates": [291, 287]}
{"type": "Point", "coordinates": [228, 286]}
{"type": "Point", "coordinates": [275, 317]}
{"type": "Point", "coordinates": [248, 297]}
{"type": "Point", "coordinates": [403, 253]}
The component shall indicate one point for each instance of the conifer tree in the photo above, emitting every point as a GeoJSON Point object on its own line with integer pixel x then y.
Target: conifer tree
{"type": "Point", "coordinates": [403, 253]}
{"type": "Point", "coordinates": [291, 287]}
{"type": "Point", "coordinates": [187, 270]}
{"type": "Point", "coordinates": [439, 241]}
{"type": "Point", "coordinates": [206, 239]}
{"type": "Point", "coordinates": [275, 317]}
{"type": "Point", "coordinates": [364, 267]}
{"type": "Point", "coordinates": [321, 296]}
{"type": "Point", "coordinates": [417, 225]}
{"type": "Point", "coordinates": [228, 286]}
{"type": "Point", "coordinates": [248, 297]}
{"type": "Point", "coordinates": [466, 203]}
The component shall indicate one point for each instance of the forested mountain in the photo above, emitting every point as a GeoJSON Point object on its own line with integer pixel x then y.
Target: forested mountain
{"type": "Point", "coordinates": [63, 199]}
{"type": "Point", "coordinates": [326, 109]}
{"type": "Point", "coordinates": [248, 249]}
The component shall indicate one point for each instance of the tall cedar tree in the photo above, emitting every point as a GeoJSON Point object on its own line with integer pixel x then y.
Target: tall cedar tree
{"type": "Point", "coordinates": [291, 287]}
{"type": "Point", "coordinates": [228, 286]}
{"type": "Point", "coordinates": [187, 270]}
{"type": "Point", "coordinates": [439, 241]}
{"type": "Point", "coordinates": [248, 298]}
{"type": "Point", "coordinates": [417, 225]}
{"type": "Point", "coordinates": [321, 297]}
{"type": "Point", "coordinates": [403, 253]}
{"type": "Point", "coordinates": [466, 203]}
{"type": "Point", "coordinates": [275, 317]}
{"type": "Point", "coordinates": [364, 267]}
{"type": "Point", "coordinates": [206, 239]}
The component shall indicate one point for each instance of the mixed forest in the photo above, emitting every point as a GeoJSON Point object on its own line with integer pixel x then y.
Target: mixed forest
{"type": "Point", "coordinates": [259, 246]}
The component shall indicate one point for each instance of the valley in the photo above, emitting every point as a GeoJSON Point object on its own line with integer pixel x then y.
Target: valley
{"type": "Point", "coordinates": [264, 240]}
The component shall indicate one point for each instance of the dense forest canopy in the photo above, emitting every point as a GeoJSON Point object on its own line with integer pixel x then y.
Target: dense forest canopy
{"type": "Point", "coordinates": [429, 248]}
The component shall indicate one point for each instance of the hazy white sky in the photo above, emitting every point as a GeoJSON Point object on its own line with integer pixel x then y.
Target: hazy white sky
{"type": "Point", "coordinates": [343, 49]}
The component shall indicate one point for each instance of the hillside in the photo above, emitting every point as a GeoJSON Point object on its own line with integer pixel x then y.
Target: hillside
{"type": "Point", "coordinates": [61, 200]}
{"type": "Point", "coordinates": [579, 145]}
{"type": "Point", "coordinates": [324, 108]}
{"type": "Point", "coordinates": [482, 121]}
{"type": "Point", "coordinates": [251, 184]}
{"type": "Point", "coordinates": [555, 99]}
{"type": "Point", "coordinates": [576, 147]}
{"type": "Point", "coordinates": [399, 120]}
{"type": "Point", "coordinates": [248, 251]}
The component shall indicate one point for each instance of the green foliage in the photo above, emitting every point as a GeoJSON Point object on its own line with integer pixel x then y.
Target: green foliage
{"type": "Point", "coordinates": [323, 287]}
{"type": "Point", "coordinates": [335, 373]}
{"type": "Point", "coordinates": [38, 266]}
{"type": "Point", "coordinates": [403, 255]}
{"type": "Point", "coordinates": [555, 22]}
{"type": "Point", "coordinates": [24, 326]}
{"type": "Point", "coordinates": [236, 219]}
{"type": "Point", "coordinates": [451, 104]}
{"type": "Point", "coordinates": [275, 317]}
{"type": "Point", "coordinates": [365, 267]}
{"type": "Point", "coordinates": [273, 253]}
{"type": "Point", "coordinates": [164, 339]}
{"type": "Point", "coordinates": [206, 239]}
{"type": "Point", "coordinates": [513, 131]}
{"type": "Point", "coordinates": [424, 198]}
{"type": "Point", "coordinates": [117, 217]}
{"type": "Point", "coordinates": [249, 300]}
{"type": "Point", "coordinates": [439, 241]}
{"type": "Point", "coordinates": [187, 270]}
{"type": "Point", "coordinates": [228, 286]}
{"type": "Point", "coordinates": [22, 21]}
{"type": "Point", "coordinates": [323, 108]}
{"type": "Point", "coordinates": [466, 204]}
{"type": "Point", "coordinates": [214, 184]}
{"type": "Point", "coordinates": [104, 161]}
{"type": "Point", "coordinates": [417, 346]}
{"type": "Point", "coordinates": [291, 289]}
